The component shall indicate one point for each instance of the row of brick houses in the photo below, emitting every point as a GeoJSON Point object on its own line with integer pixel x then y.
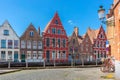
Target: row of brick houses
{"type": "Point", "coordinates": [52, 45]}
{"type": "Point", "coordinates": [88, 47]}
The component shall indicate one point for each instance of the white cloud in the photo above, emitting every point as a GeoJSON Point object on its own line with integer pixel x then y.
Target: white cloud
{"type": "Point", "coordinates": [70, 22]}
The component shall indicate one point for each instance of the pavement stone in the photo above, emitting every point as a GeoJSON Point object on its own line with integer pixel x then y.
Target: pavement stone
{"type": "Point", "coordinates": [57, 74]}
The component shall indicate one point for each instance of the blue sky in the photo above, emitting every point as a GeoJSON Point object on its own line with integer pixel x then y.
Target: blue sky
{"type": "Point", "coordinates": [80, 13]}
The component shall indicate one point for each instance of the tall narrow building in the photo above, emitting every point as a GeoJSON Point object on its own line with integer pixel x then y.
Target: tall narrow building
{"type": "Point", "coordinates": [9, 43]}
{"type": "Point", "coordinates": [31, 49]}
{"type": "Point", "coordinates": [55, 41]}
{"type": "Point", "coordinates": [113, 29]}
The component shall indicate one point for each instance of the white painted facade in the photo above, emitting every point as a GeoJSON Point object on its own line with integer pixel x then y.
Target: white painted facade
{"type": "Point", "coordinates": [11, 43]}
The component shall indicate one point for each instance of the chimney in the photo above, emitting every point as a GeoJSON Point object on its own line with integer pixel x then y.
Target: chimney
{"type": "Point", "coordinates": [76, 30]}
{"type": "Point", "coordinates": [39, 30]}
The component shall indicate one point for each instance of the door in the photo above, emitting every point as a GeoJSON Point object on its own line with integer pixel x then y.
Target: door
{"type": "Point", "coordinates": [22, 57]}
{"type": "Point", "coordinates": [47, 56]}
{"type": "Point", "coordinates": [16, 56]}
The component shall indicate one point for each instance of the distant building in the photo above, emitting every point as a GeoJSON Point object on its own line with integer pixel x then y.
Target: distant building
{"type": "Point", "coordinates": [98, 39]}
{"type": "Point", "coordinates": [9, 43]}
{"type": "Point", "coordinates": [74, 46]}
{"type": "Point", "coordinates": [87, 48]}
{"type": "Point", "coordinates": [55, 41]}
{"type": "Point", "coordinates": [31, 49]}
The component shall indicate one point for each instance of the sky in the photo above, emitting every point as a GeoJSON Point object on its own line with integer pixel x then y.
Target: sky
{"type": "Point", "coordinates": [80, 13]}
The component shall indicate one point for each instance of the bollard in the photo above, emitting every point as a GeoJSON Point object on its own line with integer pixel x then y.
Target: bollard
{"type": "Point", "coordinates": [9, 64]}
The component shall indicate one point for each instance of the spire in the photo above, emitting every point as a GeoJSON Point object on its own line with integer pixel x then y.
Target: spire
{"type": "Point", "coordinates": [39, 30]}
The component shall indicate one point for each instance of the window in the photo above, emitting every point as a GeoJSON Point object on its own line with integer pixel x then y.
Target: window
{"type": "Point", "coordinates": [6, 32]}
{"type": "Point", "coordinates": [53, 42]}
{"type": "Point", "coordinates": [81, 47]}
{"type": "Point", "coordinates": [63, 55]}
{"type": "Point", "coordinates": [59, 43]}
{"type": "Point", "coordinates": [53, 30]}
{"type": "Point", "coordinates": [56, 21]}
{"type": "Point", "coordinates": [86, 39]}
{"type": "Point", "coordinates": [63, 32]}
{"type": "Point", "coordinates": [3, 56]}
{"type": "Point", "coordinates": [53, 55]}
{"type": "Point", "coordinates": [16, 44]}
{"type": "Point", "coordinates": [58, 55]}
{"type": "Point", "coordinates": [47, 42]}
{"type": "Point", "coordinates": [34, 55]}
{"type": "Point", "coordinates": [10, 44]}
{"type": "Point", "coordinates": [3, 43]}
{"type": "Point", "coordinates": [98, 55]}
{"type": "Point", "coordinates": [34, 44]}
{"type": "Point", "coordinates": [86, 49]}
{"type": "Point", "coordinates": [29, 44]}
{"type": "Point", "coordinates": [9, 55]}
{"type": "Point", "coordinates": [73, 41]}
{"type": "Point", "coordinates": [59, 31]}
{"type": "Point", "coordinates": [23, 44]}
{"type": "Point", "coordinates": [64, 42]}
{"type": "Point", "coordinates": [31, 33]}
{"type": "Point", "coordinates": [28, 55]}
{"type": "Point", "coordinates": [39, 45]}
{"type": "Point", "coordinates": [48, 30]}
{"type": "Point", "coordinates": [40, 55]}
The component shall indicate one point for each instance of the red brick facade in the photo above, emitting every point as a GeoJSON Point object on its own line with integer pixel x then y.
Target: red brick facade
{"type": "Point", "coordinates": [87, 48]}
{"type": "Point", "coordinates": [98, 39]}
{"type": "Point", "coordinates": [31, 49]}
{"type": "Point", "coordinates": [55, 41]}
{"type": "Point", "coordinates": [113, 29]}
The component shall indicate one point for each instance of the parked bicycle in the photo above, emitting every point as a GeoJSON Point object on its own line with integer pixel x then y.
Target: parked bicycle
{"type": "Point", "coordinates": [108, 65]}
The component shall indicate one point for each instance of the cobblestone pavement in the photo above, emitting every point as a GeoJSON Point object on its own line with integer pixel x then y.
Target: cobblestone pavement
{"type": "Point", "coordinates": [57, 74]}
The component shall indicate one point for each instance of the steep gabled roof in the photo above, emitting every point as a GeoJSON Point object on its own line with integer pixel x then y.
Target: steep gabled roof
{"type": "Point", "coordinates": [52, 21]}
{"type": "Point", "coordinates": [30, 26]}
{"type": "Point", "coordinates": [79, 38]}
{"type": "Point", "coordinates": [93, 33]}
{"type": "Point", "coordinates": [7, 22]}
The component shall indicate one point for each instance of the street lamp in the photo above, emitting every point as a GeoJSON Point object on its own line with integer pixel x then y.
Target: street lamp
{"type": "Point", "coordinates": [101, 14]}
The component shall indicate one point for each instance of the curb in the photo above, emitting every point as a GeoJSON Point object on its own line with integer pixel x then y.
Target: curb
{"type": "Point", "coordinates": [9, 72]}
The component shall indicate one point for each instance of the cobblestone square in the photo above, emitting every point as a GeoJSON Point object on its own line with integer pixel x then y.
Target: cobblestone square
{"type": "Point", "coordinates": [57, 74]}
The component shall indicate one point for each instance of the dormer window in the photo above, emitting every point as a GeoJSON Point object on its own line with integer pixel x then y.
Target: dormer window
{"type": "Point", "coordinates": [31, 33]}
{"type": "Point", "coordinates": [6, 32]}
{"type": "Point", "coordinates": [56, 21]}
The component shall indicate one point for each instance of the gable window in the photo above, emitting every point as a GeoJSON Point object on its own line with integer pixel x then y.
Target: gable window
{"type": "Point", "coordinates": [31, 33]}
{"type": "Point", "coordinates": [73, 41]}
{"type": "Point", "coordinates": [64, 42]}
{"type": "Point", "coordinates": [59, 43]}
{"type": "Point", "coordinates": [47, 42]}
{"type": "Point", "coordinates": [59, 31]}
{"type": "Point", "coordinates": [6, 32]}
{"type": "Point", "coordinates": [53, 30]}
{"type": "Point", "coordinates": [56, 21]}
{"type": "Point", "coordinates": [48, 30]}
{"type": "Point", "coordinates": [3, 43]}
{"type": "Point", "coordinates": [53, 42]}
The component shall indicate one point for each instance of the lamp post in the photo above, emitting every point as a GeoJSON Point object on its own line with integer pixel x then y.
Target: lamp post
{"type": "Point", "coordinates": [101, 14]}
